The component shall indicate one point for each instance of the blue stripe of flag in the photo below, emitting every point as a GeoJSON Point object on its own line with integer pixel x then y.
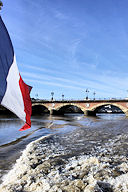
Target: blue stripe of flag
{"type": "Point", "coordinates": [6, 57]}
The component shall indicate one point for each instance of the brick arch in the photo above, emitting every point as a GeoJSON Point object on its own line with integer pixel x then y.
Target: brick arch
{"type": "Point", "coordinates": [124, 109]}
{"type": "Point", "coordinates": [40, 104]}
{"type": "Point", "coordinates": [70, 104]}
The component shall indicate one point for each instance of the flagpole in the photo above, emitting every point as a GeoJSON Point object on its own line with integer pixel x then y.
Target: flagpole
{"type": "Point", "coordinates": [1, 5]}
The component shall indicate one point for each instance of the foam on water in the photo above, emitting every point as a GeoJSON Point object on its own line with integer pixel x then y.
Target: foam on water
{"type": "Point", "coordinates": [83, 154]}
{"type": "Point", "coordinates": [57, 163]}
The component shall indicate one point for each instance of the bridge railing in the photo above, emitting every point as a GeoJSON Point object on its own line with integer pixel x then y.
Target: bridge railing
{"type": "Point", "coordinates": [72, 100]}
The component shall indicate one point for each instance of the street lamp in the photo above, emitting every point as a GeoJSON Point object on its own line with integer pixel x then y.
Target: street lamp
{"type": "Point", "coordinates": [94, 94]}
{"type": "Point", "coordinates": [87, 91]}
{"type": "Point", "coordinates": [52, 93]}
{"type": "Point", "coordinates": [62, 97]}
{"type": "Point", "coordinates": [127, 94]}
{"type": "Point", "coordinates": [36, 95]}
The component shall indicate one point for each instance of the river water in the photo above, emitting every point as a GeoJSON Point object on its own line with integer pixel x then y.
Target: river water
{"type": "Point", "coordinates": [72, 137]}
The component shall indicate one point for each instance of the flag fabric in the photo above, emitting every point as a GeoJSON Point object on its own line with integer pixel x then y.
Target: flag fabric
{"type": "Point", "coordinates": [14, 93]}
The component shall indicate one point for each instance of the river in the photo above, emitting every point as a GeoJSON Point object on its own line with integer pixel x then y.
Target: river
{"type": "Point", "coordinates": [74, 138]}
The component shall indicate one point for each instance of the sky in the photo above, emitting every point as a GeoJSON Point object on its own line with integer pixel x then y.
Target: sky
{"type": "Point", "coordinates": [68, 46]}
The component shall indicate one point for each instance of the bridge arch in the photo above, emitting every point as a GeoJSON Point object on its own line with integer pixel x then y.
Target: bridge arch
{"type": "Point", "coordinates": [122, 108]}
{"type": "Point", "coordinates": [61, 107]}
{"type": "Point", "coordinates": [39, 108]}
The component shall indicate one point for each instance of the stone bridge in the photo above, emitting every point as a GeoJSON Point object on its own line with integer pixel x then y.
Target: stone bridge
{"type": "Point", "coordinates": [88, 107]}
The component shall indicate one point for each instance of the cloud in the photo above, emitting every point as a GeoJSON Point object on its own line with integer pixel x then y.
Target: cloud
{"type": "Point", "coordinates": [60, 15]}
{"type": "Point", "coordinates": [53, 84]}
{"type": "Point", "coordinates": [78, 84]}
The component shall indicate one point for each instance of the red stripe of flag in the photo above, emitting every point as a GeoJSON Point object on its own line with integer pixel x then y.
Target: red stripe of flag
{"type": "Point", "coordinates": [25, 90]}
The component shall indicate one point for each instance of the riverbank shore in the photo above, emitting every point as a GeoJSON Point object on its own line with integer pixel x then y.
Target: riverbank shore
{"type": "Point", "coordinates": [47, 166]}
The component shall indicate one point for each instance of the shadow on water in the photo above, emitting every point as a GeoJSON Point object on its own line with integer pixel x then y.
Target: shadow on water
{"type": "Point", "coordinates": [12, 141]}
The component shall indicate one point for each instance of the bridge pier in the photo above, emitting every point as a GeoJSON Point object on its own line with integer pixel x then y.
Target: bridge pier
{"type": "Point", "coordinates": [126, 113]}
{"type": "Point", "coordinates": [86, 113]}
{"type": "Point", "coordinates": [55, 112]}
{"type": "Point", "coordinates": [51, 111]}
{"type": "Point", "coordinates": [89, 113]}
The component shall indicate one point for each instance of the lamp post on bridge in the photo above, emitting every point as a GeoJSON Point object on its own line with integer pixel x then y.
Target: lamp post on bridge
{"type": "Point", "coordinates": [127, 94]}
{"type": "Point", "coordinates": [36, 95]}
{"type": "Point", "coordinates": [52, 94]}
{"type": "Point", "coordinates": [87, 91]}
{"type": "Point", "coordinates": [94, 94]}
{"type": "Point", "coordinates": [62, 97]}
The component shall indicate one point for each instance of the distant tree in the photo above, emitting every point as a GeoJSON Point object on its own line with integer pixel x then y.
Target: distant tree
{"type": "Point", "coordinates": [1, 4]}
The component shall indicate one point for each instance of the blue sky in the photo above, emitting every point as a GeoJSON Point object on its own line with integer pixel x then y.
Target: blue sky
{"type": "Point", "coordinates": [67, 46]}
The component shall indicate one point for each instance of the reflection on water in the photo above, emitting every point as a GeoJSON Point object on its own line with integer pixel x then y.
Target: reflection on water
{"type": "Point", "coordinates": [95, 129]}
{"type": "Point", "coordinates": [111, 116]}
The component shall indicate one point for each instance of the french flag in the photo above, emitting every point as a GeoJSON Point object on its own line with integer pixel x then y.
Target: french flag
{"type": "Point", "coordinates": [14, 93]}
